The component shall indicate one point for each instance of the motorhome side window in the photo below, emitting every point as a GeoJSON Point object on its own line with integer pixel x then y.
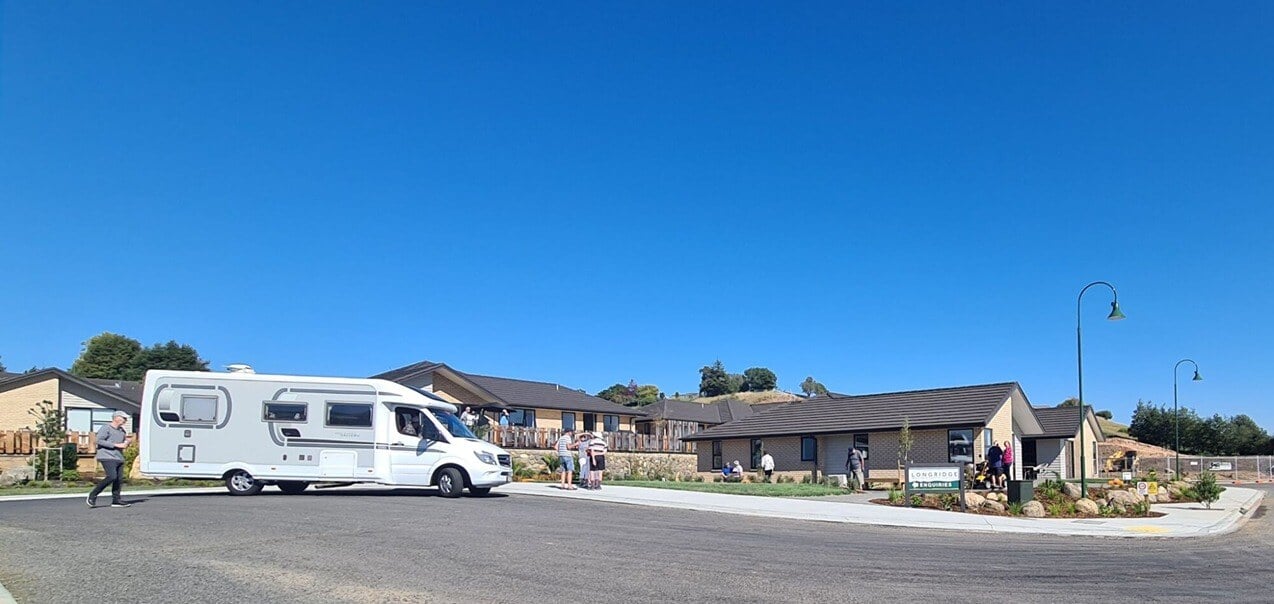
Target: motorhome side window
{"type": "Point", "coordinates": [286, 412]}
{"type": "Point", "coordinates": [198, 408]}
{"type": "Point", "coordinates": [408, 421]}
{"type": "Point", "coordinates": [352, 415]}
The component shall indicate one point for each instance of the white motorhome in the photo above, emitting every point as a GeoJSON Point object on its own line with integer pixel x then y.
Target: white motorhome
{"type": "Point", "coordinates": [253, 430]}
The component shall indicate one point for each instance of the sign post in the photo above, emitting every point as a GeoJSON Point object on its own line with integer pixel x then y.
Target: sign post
{"type": "Point", "coordinates": [934, 478]}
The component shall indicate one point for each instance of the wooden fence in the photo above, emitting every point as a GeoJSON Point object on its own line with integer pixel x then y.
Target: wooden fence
{"type": "Point", "coordinates": [27, 442]}
{"type": "Point", "coordinates": [512, 437]}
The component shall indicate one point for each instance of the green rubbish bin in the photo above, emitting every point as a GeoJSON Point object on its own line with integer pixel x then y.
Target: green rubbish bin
{"type": "Point", "coordinates": [1021, 491]}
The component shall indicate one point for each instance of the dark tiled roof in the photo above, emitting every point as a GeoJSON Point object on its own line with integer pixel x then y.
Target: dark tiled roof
{"type": "Point", "coordinates": [129, 390]}
{"type": "Point", "coordinates": [684, 411]}
{"type": "Point", "coordinates": [394, 375]}
{"type": "Point", "coordinates": [964, 405]}
{"type": "Point", "coordinates": [4, 375]}
{"type": "Point", "coordinates": [1058, 422]}
{"type": "Point", "coordinates": [717, 412]}
{"type": "Point", "coordinates": [543, 395]}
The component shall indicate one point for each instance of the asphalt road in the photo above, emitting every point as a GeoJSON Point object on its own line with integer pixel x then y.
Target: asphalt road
{"type": "Point", "coordinates": [412, 546]}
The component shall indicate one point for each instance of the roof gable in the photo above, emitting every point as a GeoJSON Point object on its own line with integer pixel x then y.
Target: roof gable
{"type": "Point", "coordinates": [128, 393]}
{"type": "Point", "coordinates": [1063, 422]}
{"type": "Point", "coordinates": [830, 414]}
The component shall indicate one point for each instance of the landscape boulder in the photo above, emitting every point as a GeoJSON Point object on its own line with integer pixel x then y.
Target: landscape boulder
{"type": "Point", "coordinates": [973, 500]}
{"type": "Point", "coordinates": [1087, 507]}
{"type": "Point", "coordinates": [1033, 509]}
{"type": "Point", "coordinates": [1122, 498]}
{"type": "Point", "coordinates": [18, 475]}
{"type": "Point", "coordinates": [1072, 490]}
{"type": "Point", "coordinates": [993, 506]}
{"type": "Point", "coordinates": [1163, 497]}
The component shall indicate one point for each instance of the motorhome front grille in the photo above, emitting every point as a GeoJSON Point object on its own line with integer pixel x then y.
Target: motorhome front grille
{"type": "Point", "coordinates": [506, 460]}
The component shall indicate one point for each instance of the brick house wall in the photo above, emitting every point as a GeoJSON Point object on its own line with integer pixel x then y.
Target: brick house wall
{"type": "Point", "coordinates": [453, 390]}
{"type": "Point", "coordinates": [15, 403]}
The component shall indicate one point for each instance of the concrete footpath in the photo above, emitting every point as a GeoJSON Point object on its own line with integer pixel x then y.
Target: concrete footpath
{"type": "Point", "coordinates": [1180, 520]}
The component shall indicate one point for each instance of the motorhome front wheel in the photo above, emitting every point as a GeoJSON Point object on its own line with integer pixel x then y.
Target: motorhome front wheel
{"type": "Point", "coordinates": [240, 482]}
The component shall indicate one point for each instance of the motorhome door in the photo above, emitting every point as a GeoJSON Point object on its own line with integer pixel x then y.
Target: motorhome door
{"type": "Point", "coordinates": [415, 446]}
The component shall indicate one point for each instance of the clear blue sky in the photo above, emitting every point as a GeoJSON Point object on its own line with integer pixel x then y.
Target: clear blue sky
{"type": "Point", "coordinates": [884, 198]}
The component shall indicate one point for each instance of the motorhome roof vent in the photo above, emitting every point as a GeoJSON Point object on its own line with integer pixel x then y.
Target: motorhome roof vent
{"type": "Point", "coordinates": [239, 368]}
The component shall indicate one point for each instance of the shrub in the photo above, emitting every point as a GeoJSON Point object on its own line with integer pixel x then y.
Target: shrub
{"type": "Point", "coordinates": [718, 478]}
{"type": "Point", "coordinates": [1206, 490]}
{"type": "Point", "coordinates": [917, 501]}
{"type": "Point", "coordinates": [1141, 508]}
{"type": "Point", "coordinates": [1015, 508]}
{"type": "Point", "coordinates": [522, 470]}
{"type": "Point", "coordinates": [949, 501]}
{"type": "Point", "coordinates": [1061, 508]}
{"type": "Point", "coordinates": [895, 496]}
{"type": "Point", "coordinates": [71, 475]}
{"type": "Point", "coordinates": [552, 462]}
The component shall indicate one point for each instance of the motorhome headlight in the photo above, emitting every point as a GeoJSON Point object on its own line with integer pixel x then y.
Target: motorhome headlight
{"type": "Point", "coordinates": [485, 457]}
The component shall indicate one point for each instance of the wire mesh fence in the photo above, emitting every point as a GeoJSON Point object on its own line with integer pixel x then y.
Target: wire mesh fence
{"type": "Point", "coordinates": [1241, 467]}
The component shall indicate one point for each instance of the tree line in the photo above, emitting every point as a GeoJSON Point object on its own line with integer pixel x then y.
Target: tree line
{"type": "Point", "coordinates": [714, 380]}
{"type": "Point", "coordinates": [1216, 435]}
{"type": "Point", "coordinates": [115, 357]}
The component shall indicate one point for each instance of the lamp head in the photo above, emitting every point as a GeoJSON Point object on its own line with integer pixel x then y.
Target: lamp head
{"type": "Point", "coordinates": [1197, 377]}
{"type": "Point", "coordinates": [1115, 313]}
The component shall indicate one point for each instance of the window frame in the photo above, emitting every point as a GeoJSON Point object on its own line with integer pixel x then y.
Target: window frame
{"type": "Point", "coordinates": [950, 456]}
{"type": "Point", "coordinates": [755, 451]}
{"type": "Point", "coordinates": [864, 446]}
{"type": "Point", "coordinates": [570, 414]}
{"type": "Point", "coordinates": [305, 412]}
{"type": "Point", "coordinates": [813, 441]}
{"type": "Point", "coordinates": [181, 408]}
{"type": "Point", "coordinates": [987, 438]}
{"type": "Point", "coordinates": [606, 419]}
{"type": "Point", "coordinates": [590, 422]}
{"type": "Point", "coordinates": [524, 413]}
{"type": "Point", "coordinates": [716, 455]}
{"type": "Point", "coordinates": [327, 415]}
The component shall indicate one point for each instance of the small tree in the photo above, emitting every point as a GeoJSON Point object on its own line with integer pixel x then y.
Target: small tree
{"type": "Point", "coordinates": [50, 429]}
{"type": "Point", "coordinates": [759, 379]}
{"type": "Point", "coordinates": [2, 367]}
{"type": "Point", "coordinates": [811, 387]}
{"type": "Point", "coordinates": [905, 442]}
{"type": "Point", "coordinates": [713, 380]}
{"type": "Point", "coordinates": [1207, 489]}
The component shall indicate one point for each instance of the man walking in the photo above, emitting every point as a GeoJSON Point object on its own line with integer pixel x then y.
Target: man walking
{"type": "Point", "coordinates": [566, 459]}
{"type": "Point", "coordinates": [111, 442]}
{"type": "Point", "coordinates": [995, 462]}
{"type": "Point", "coordinates": [767, 465]}
{"type": "Point", "coordinates": [854, 468]}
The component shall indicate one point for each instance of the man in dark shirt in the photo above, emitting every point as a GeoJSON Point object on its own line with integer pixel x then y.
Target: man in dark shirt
{"type": "Point", "coordinates": [111, 442]}
{"type": "Point", "coordinates": [995, 460]}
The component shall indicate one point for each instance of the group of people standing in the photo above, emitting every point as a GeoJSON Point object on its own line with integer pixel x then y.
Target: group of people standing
{"type": "Point", "coordinates": [472, 419]}
{"type": "Point", "coordinates": [592, 457]}
{"type": "Point", "coordinates": [999, 461]}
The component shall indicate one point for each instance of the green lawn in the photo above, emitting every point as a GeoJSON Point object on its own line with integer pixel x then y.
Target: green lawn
{"type": "Point", "coordinates": [57, 488]}
{"type": "Point", "coordinates": [738, 488]}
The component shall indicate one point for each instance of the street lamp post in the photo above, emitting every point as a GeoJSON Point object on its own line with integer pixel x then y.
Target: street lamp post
{"type": "Point", "coordinates": [1115, 315]}
{"type": "Point", "coordinates": [1176, 416]}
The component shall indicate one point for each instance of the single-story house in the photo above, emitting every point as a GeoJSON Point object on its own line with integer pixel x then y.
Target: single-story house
{"type": "Point", "coordinates": [88, 403]}
{"type": "Point", "coordinates": [530, 404]}
{"type": "Point", "coordinates": [948, 425]}
{"type": "Point", "coordinates": [1054, 451]}
{"type": "Point", "coordinates": [675, 419]}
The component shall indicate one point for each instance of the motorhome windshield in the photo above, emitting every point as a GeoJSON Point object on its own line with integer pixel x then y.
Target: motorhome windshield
{"type": "Point", "coordinates": [452, 424]}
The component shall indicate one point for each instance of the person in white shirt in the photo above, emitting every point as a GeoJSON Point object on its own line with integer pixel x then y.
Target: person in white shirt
{"type": "Point", "coordinates": [767, 465]}
{"type": "Point", "coordinates": [596, 461]}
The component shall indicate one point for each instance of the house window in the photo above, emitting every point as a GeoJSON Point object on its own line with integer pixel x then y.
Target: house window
{"type": "Point", "coordinates": [610, 423]}
{"type": "Point", "coordinates": [809, 448]}
{"type": "Point", "coordinates": [285, 412]}
{"type": "Point", "coordinates": [756, 453]}
{"type": "Point", "coordinates": [590, 422]}
{"type": "Point", "coordinates": [524, 418]}
{"type": "Point", "coordinates": [87, 420]}
{"type": "Point", "coordinates": [987, 440]}
{"type": "Point", "coordinates": [201, 409]}
{"type": "Point", "coordinates": [716, 455]}
{"type": "Point", "coordinates": [861, 443]}
{"type": "Point", "coordinates": [568, 421]}
{"type": "Point", "coordinates": [349, 415]}
{"type": "Point", "coordinates": [960, 445]}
